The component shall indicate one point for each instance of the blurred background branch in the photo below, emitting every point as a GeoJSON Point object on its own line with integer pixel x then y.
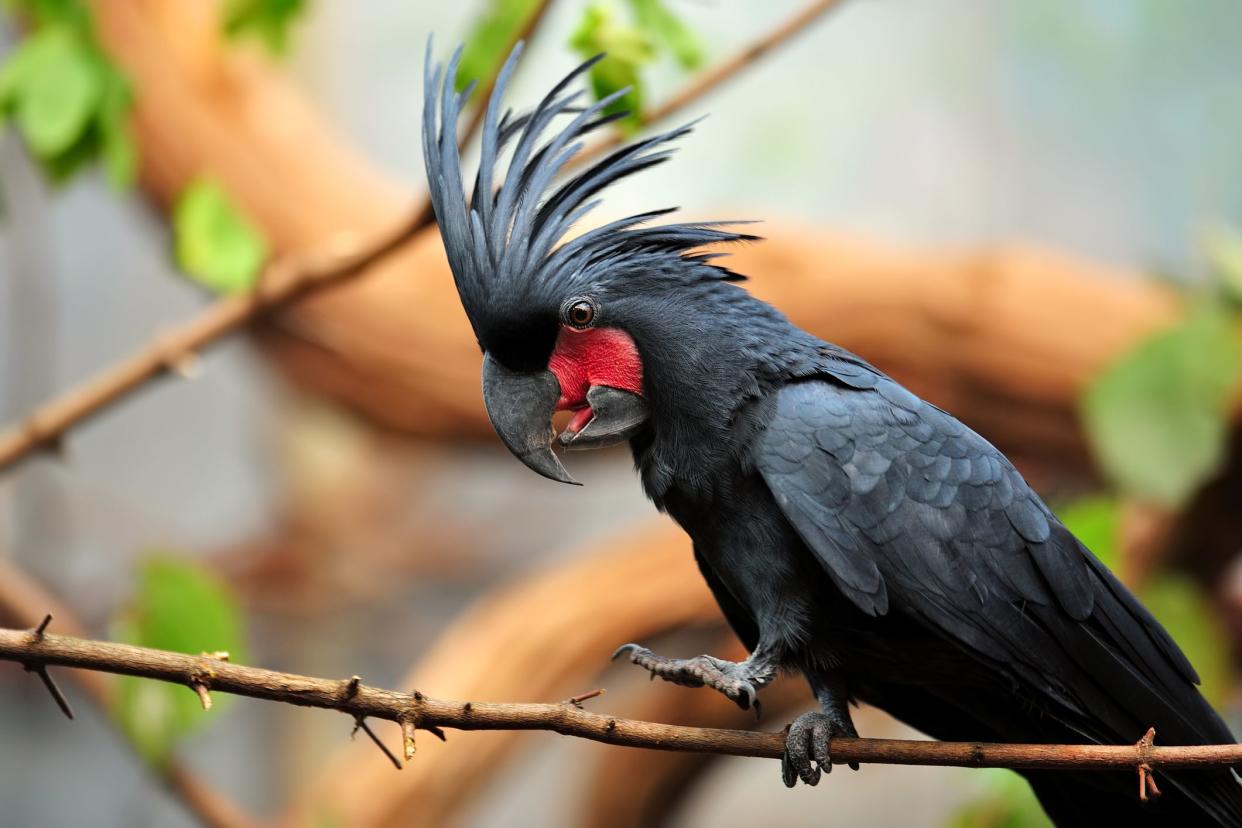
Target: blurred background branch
{"type": "Point", "coordinates": [286, 280]}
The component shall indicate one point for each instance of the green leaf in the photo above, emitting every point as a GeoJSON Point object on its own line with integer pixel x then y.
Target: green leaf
{"type": "Point", "coordinates": [69, 99]}
{"type": "Point", "coordinates": [626, 50]}
{"type": "Point", "coordinates": [267, 20]}
{"type": "Point", "coordinates": [54, 86]}
{"type": "Point", "coordinates": [1157, 417]}
{"type": "Point", "coordinates": [120, 157]}
{"type": "Point", "coordinates": [215, 244]}
{"type": "Point", "coordinates": [43, 12]}
{"type": "Point", "coordinates": [1007, 802]}
{"type": "Point", "coordinates": [179, 607]}
{"type": "Point", "coordinates": [487, 45]}
{"type": "Point", "coordinates": [62, 167]}
{"type": "Point", "coordinates": [1095, 521]}
{"type": "Point", "coordinates": [674, 35]}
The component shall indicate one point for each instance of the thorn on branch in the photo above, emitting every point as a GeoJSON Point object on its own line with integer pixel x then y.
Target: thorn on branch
{"type": "Point", "coordinates": [55, 446]}
{"type": "Point", "coordinates": [1147, 778]}
{"type": "Point", "coordinates": [351, 686]}
{"type": "Point", "coordinates": [577, 701]}
{"type": "Point", "coordinates": [200, 686]}
{"type": "Point", "coordinates": [41, 670]}
{"type": "Point", "coordinates": [360, 723]}
{"type": "Point", "coordinates": [408, 732]}
{"type": "Point", "coordinates": [176, 360]}
{"type": "Point", "coordinates": [50, 684]}
{"type": "Point", "coordinates": [41, 438]}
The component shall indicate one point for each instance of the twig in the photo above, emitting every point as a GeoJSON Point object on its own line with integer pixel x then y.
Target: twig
{"type": "Point", "coordinates": [360, 723]}
{"type": "Point", "coordinates": [36, 637]}
{"type": "Point", "coordinates": [425, 712]}
{"type": "Point", "coordinates": [577, 701]}
{"type": "Point", "coordinates": [20, 600]}
{"type": "Point", "coordinates": [408, 730]}
{"type": "Point", "coordinates": [288, 278]}
{"type": "Point", "coordinates": [203, 692]}
{"type": "Point", "coordinates": [1147, 780]}
{"type": "Point", "coordinates": [42, 628]}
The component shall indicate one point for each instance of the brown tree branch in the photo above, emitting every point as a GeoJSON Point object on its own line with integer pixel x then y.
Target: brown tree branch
{"type": "Point", "coordinates": [24, 601]}
{"type": "Point", "coordinates": [291, 277]}
{"type": "Point", "coordinates": [361, 701]}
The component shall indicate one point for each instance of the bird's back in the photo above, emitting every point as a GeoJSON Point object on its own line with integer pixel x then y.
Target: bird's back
{"type": "Point", "coordinates": [918, 520]}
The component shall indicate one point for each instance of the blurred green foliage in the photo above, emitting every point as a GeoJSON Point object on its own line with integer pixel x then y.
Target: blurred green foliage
{"type": "Point", "coordinates": [1007, 802]}
{"type": "Point", "coordinates": [67, 98]}
{"type": "Point", "coordinates": [216, 245]}
{"type": "Point", "coordinates": [628, 47]}
{"type": "Point", "coordinates": [269, 21]}
{"type": "Point", "coordinates": [487, 43]}
{"type": "Point", "coordinates": [628, 44]}
{"type": "Point", "coordinates": [1157, 418]}
{"type": "Point", "coordinates": [70, 100]}
{"type": "Point", "coordinates": [655, 18]}
{"type": "Point", "coordinates": [181, 607]}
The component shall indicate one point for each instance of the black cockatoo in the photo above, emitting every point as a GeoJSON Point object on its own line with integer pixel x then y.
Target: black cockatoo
{"type": "Point", "coordinates": [848, 529]}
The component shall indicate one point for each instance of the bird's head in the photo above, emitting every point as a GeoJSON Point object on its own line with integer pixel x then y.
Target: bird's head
{"type": "Point", "coordinates": [574, 325]}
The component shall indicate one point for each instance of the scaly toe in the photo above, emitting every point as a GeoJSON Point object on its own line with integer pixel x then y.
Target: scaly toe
{"type": "Point", "coordinates": [808, 739]}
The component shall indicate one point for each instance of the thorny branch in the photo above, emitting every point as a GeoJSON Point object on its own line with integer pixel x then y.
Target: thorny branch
{"type": "Point", "coordinates": [418, 711]}
{"type": "Point", "coordinates": [289, 278]}
{"type": "Point", "coordinates": [21, 600]}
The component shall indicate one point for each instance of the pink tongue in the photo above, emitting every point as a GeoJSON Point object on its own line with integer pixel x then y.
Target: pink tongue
{"type": "Point", "coordinates": [578, 422]}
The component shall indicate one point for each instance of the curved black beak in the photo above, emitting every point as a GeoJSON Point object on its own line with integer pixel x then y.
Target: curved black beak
{"type": "Point", "coordinates": [520, 406]}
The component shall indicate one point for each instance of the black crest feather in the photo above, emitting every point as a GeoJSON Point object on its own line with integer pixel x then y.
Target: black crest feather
{"type": "Point", "coordinates": [504, 240]}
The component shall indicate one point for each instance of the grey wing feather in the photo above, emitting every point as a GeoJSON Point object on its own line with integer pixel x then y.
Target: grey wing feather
{"type": "Point", "coordinates": [910, 511]}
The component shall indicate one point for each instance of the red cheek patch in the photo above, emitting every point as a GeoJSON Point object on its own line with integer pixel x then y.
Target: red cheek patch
{"type": "Point", "coordinates": [596, 356]}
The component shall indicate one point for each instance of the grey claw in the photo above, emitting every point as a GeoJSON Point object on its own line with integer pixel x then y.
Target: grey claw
{"type": "Point", "coordinates": [630, 648]}
{"type": "Point", "coordinates": [746, 697]}
{"type": "Point", "coordinates": [788, 774]}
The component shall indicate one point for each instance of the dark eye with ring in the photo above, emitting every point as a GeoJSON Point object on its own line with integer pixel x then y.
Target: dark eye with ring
{"type": "Point", "coordinates": [580, 313]}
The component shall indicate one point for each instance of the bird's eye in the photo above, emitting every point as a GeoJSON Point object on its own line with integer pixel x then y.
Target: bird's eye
{"type": "Point", "coordinates": [580, 313]}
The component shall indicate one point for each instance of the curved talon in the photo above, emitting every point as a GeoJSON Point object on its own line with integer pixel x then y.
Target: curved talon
{"type": "Point", "coordinates": [745, 696]}
{"type": "Point", "coordinates": [633, 649]}
{"type": "Point", "coordinates": [788, 775]}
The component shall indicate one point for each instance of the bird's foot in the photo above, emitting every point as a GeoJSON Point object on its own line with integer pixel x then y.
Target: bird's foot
{"type": "Point", "coordinates": [806, 741]}
{"type": "Point", "coordinates": [739, 682]}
